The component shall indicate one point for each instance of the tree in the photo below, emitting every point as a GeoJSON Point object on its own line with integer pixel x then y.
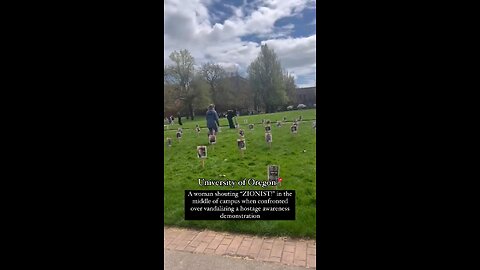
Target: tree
{"type": "Point", "coordinates": [267, 80]}
{"type": "Point", "coordinates": [240, 92]}
{"type": "Point", "coordinates": [290, 88]}
{"type": "Point", "coordinates": [227, 94]}
{"type": "Point", "coordinates": [180, 74]}
{"type": "Point", "coordinates": [168, 99]}
{"type": "Point", "coordinates": [213, 74]}
{"type": "Point", "coordinates": [201, 95]}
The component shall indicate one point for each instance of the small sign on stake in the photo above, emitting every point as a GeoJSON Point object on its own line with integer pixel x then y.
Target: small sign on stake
{"type": "Point", "coordinates": [202, 154]}
{"type": "Point", "coordinates": [268, 139]}
{"type": "Point", "coordinates": [293, 129]}
{"type": "Point", "coordinates": [202, 151]}
{"type": "Point", "coordinates": [273, 173]}
{"type": "Point", "coordinates": [279, 124]}
{"type": "Point", "coordinates": [212, 139]}
{"type": "Point", "coordinates": [179, 135]}
{"type": "Point", "coordinates": [169, 142]}
{"type": "Point", "coordinates": [241, 144]}
{"type": "Point", "coordinates": [268, 128]}
{"type": "Point", "coordinates": [250, 127]}
{"type": "Point", "coordinates": [241, 133]}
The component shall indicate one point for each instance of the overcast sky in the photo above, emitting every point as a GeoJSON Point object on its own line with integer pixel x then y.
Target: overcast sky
{"type": "Point", "coordinates": [230, 32]}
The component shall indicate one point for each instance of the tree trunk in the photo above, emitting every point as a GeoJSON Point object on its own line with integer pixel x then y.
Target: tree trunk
{"type": "Point", "coordinates": [214, 93]}
{"type": "Point", "coordinates": [190, 110]}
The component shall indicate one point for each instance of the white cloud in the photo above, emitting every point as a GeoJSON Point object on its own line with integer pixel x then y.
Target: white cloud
{"type": "Point", "coordinates": [189, 25]}
{"type": "Point", "coordinates": [295, 52]}
{"type": "Point", "coordinates": [298, 56]}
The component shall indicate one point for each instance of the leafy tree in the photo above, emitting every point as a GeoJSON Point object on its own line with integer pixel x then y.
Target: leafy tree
{"type": "Point", "coordinates": [290, 88]}
{"type": "Point", "coordinates": [200, 93]}
{"type": "Point", "coordinates": [240, 91]}
{"type": "Point", "coordinates": [181, 74]}
{"type": "Point", "coordinates": [267, 80]}
{"type": "Point", "coordinates": [168, 98]}
{"type": "Point", "coordinates": [213, 74]}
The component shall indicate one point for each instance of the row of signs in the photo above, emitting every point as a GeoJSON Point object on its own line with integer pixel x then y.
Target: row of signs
{"type": "Point", "coordinates": [268, 129]}
{"type": "Point", "coordinates": [268, 135]}
{"type": "Point", "coordinates": [273, 171]}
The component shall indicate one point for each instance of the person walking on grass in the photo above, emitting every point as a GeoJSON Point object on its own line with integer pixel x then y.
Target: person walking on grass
{"type": "Point", "coordinates": [212, 120]}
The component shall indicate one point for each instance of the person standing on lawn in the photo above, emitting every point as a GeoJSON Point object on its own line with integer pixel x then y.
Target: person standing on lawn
{"type": "Point", "coordinates": [230, 115]}
{"type": "Point", "coordinates": [179, 119]}
{"type": "Point", "coordinates": [212, 120]}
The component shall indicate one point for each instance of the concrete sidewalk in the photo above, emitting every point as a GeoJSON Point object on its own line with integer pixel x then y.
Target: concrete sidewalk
{"type": "Point", "coordinates": [274, 251]}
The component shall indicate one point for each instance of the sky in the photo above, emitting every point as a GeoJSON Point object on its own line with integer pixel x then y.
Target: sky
{"type": "Point", "coordinates": [230, 33]}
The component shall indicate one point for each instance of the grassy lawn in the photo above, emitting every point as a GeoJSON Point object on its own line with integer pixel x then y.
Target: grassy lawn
{"type": "Point", "coordinates": [182, 169]}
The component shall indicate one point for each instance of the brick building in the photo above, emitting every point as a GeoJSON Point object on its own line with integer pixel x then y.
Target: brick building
{"type": "Point", "coordinates": [307, 96]}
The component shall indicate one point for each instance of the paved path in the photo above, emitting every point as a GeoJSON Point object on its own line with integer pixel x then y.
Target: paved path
{"type": "Point", "coordinates": [275, 250]}
{"type": "Point", "coordinates": [181, 260]}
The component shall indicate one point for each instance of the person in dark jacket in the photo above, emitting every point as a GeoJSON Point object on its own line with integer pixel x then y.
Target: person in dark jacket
{"type": "Point", "coordinates": [230, 115]}
{"type": "Point", "coordinates": [212, 119]}
{"type": "Point", "coordinates": [179, 119]}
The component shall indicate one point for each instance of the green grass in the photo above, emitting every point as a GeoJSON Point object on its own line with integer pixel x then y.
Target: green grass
{"type": "Point", "coordinates": [182, 169]}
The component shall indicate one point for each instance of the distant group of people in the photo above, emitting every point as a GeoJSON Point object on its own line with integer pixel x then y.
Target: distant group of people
{"type": "Point", "coordinates": [212, 119]}
{"type": "Point", "coordinates": [225, 114]}
{"type": "Point", "coordinates": [170, 120]}
{"type": "Point", "coordinates": [212, 115]}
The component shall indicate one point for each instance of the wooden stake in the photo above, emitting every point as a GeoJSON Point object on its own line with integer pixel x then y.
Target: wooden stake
{"type": "Point", "coordinates": [203, 163]}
